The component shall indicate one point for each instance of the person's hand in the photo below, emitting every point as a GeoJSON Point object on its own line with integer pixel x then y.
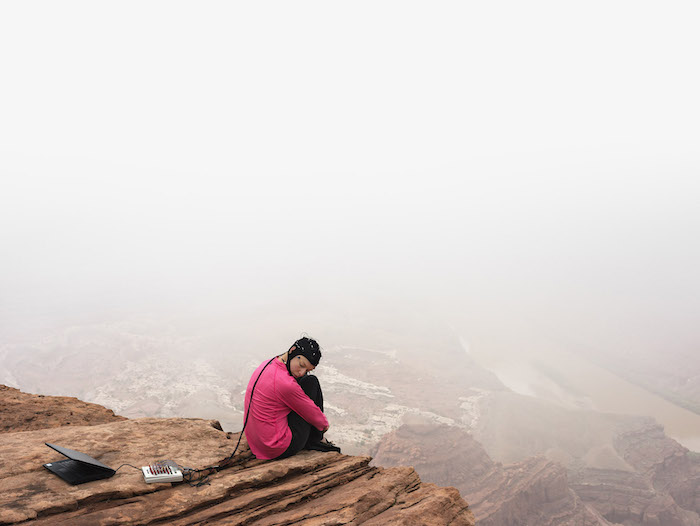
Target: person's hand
{"type": "Point", "coordinates": [325, 429]}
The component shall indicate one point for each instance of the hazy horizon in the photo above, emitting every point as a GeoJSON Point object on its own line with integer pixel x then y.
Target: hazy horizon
{"type": "Point", "coordinates": [508, 162]}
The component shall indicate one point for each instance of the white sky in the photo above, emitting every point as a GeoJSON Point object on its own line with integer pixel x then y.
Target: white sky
{"type": "Point", "coordinates": [521, 153]}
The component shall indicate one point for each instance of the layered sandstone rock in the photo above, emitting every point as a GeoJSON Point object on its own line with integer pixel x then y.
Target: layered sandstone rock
{"type": "Point", "coordinates": [628, 498]}
{"type": "Point", "coordinates": [533, 492]}
{"type": "Point", "coordinates": [310, 488]}
{"type": "Point", "coordinates": [643, 478]}
{"type": "Point", "coordinates": [670, 467]}
{"type": "Point", "coordinates": [622, 466]}
{"type": "Point", "coordinates": [23, 411]}
{"type": "Point", "coordinates": [657, 484]}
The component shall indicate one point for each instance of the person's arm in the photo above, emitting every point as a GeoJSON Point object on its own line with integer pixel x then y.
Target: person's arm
{"type": "Point", "coordinates": [299, 402]}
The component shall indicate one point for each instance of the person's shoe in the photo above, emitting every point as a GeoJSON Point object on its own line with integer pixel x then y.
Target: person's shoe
{"type": "Point", "coordinates": [323, 445]}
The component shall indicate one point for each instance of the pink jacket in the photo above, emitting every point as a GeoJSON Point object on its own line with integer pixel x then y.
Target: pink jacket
{"type": "Point", "coordinates": [276, 395]}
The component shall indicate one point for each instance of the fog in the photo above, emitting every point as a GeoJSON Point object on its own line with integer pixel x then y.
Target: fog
{"type": "Point", "coordinates": [488, 166]}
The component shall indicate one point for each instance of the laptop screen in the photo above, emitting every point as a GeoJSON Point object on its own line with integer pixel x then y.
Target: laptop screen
{"type": "Point", "coordinates": [77, 455]}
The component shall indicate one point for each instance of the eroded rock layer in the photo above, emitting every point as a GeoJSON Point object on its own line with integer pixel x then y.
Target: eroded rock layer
{"type": "Point", "coordinates": [23, 411]}
{"type": "Point", "coordinates": [532, 492]}
{"type": "Point", "coordinates": [311, 488]}
{"type": "Point", "coordinates": [643, 478]}
{"type": "Point", "coordinates": [659, 487]}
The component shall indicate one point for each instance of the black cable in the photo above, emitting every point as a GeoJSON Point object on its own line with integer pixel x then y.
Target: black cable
{"type": "Point", "coordinates": [245, 422]}
{"type": "Point", "coordinates": [204, 479]}
{"type": "Point", "coordinates": [120, 467]}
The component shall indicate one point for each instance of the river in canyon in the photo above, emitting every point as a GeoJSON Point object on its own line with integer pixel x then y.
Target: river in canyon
{"type": "Point", "coordinates": [571, 380]}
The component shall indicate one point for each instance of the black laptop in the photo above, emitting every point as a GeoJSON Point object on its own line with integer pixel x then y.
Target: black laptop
{"type": "Point", "coordinates": [78, 468]}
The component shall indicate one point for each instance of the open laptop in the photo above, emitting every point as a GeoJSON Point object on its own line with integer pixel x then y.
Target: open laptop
{"type": "Point", "coordinates": [78, 468]}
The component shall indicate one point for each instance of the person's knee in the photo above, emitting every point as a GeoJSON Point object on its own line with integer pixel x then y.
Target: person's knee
{"type": "Point", "coordinates": [312, 388]}
{"type": "Point", "coordinates": [310, 383]}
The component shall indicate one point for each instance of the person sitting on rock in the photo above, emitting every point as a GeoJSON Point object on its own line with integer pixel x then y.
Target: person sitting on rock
{"type": "Point", "coordinates": [286, 413]}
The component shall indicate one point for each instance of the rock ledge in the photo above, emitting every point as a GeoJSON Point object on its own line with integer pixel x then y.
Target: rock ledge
{"type": "Point", "coordinates": [310, 488]}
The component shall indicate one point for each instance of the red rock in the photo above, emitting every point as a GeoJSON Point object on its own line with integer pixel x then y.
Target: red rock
{"type": "Point", "coordinates": [309, 488]}
{"type": "Point", "coordinates": [23, 412]}
{"type": "Point", "coordinates": [533, 492]}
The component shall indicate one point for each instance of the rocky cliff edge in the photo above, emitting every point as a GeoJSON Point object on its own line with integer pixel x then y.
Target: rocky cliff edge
{"type": "Point", "coordinates": [311, 488]}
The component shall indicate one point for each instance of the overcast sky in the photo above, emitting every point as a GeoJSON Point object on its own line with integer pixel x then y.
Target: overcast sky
{"type": "Point", "coordinates": [541, 156]}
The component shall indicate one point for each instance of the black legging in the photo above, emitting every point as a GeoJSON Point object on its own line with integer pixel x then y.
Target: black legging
{"type": "Point", "coordinates": [304, 433]}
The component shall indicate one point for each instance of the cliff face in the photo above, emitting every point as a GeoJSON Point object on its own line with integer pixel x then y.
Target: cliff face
{"type": "Point", "coordinates": [656, 481]}
{"type": "Point", "coordinates": [628, 498]}
{"type": "Point", "coordinates": [659, 486]}
{"type": "Point", "coordinates": [669, 467]}
{"type": "Point", "coordinates": [532, 492]}
{"type": "Point", "coordinates": [309, 488]}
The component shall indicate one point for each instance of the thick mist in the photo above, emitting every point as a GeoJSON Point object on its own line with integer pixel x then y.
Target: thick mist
{"type": "Point", "coordinates": [523, 177]}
